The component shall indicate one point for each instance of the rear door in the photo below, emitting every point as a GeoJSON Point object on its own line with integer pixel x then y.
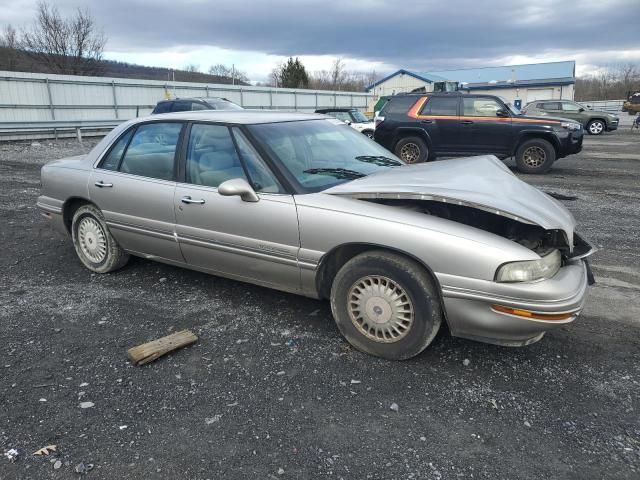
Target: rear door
{"type": "Point", "coordinates": [482, 130]}
{"type": "Point", "coordinates": [440, 118]}
{"type": "Point", "coordinates": [134, 186]}
{"type": "Point", "coordinates": [254, 241]}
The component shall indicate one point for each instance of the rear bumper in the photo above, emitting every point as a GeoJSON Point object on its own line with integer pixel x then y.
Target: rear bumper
{"type": "Point", "coordinates": [472, 310]}
{"type": "Point", "coordinates": [51, 209]}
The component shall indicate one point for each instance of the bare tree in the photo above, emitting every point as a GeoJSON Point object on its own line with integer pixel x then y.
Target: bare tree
{"type": "Point", "coordinates": [191, 68]}
{"type": "Point", "coordinates": [221, 70]}
{"type": "Point", "coordinates": [71, 45]}
{"type": "Point", "coordinates": [9, 43]}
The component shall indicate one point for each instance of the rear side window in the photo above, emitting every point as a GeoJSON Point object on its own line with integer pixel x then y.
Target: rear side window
{"type": "Point", "coordinates": [211, 156]}
{"type": "Point", "coordinates": [151, 152]}
{"type": "Point", "coordinates": [551, 106]}
{"type": "Point", "coordinates": [441, 106]}
{"type": "Point", "coordinates": [398, 105]}
{"type": "Point", "coordinates": [112, 160]}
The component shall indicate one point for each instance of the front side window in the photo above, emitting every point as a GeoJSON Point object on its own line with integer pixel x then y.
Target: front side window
{"type": "Point", "coordinates": [181, 106]}
{"type": "Point", "coordinates": [223, 105]}
{"type": "Point", "coordinates": [262, 179]}
{"type": "Point", "coordinates": [198, 106]}
{"type": "Point", "coordinates": [441, 106]}
{"type": "Point", "coordinates": [571, 107]}
{"type": "Point", "coordinates": [342, 116]}
{"type": "Point", "coordinates": [480, 106]}
{"type": "Point", "coordinates": [319, 154]}
{"type": "Point", "coordinates": [151, 152]}
{"type": "Point", "coordinates": [211, 156]}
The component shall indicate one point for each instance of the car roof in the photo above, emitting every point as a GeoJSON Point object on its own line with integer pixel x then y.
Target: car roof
{"type": "Point", "coordinates": [194, 99]}
{"type": "Point", "coordinates": [339, 109]}
{"type": "Point", "coordinates": [246, 117]}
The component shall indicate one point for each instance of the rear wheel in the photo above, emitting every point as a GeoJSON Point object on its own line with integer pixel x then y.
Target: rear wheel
{"type": "Point", "coordinates": [535, 156]}
{"type": "Point", "coordinates": [95, 246]}
{"type": "Point", "coordinates": [596, 127]}
{"type": "Point", "coordinates": [412, 150]}
{"type": "Point", "coordinates": [386, 305]}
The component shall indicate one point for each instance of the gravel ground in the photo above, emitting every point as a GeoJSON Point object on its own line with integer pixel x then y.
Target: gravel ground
{"type": "Point", "coordinates": [271, 390]}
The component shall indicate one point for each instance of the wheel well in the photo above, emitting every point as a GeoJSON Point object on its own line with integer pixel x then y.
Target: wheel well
{"type": "Point", "coordinates": [69, 209]}
{"type": "Point", "coordinates": [544, 136]}
{"type": "Point", "coordinates": [333, 260]}
{"type": "Point", "coordinates": [411, 133]}
{"type": "Point", "coordinates": [597, 118]}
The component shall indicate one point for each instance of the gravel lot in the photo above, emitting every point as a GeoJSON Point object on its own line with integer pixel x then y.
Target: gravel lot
{"type": "Point", "coordinates": [271, 390]}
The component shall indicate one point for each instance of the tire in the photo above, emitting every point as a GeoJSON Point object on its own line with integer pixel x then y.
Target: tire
{"type": "Point", "coordinates": [412, 288]}
{"type": "Point", "coordinates": [412, 150]}
{"type": "Point", "coordinates": [596, 127]}
{"type": "Point", "coordinates": [368, 133]}
{"type": "Point", "coordinates": [535, 156]}
{"type": "Point", "coordinates": [95, 246]}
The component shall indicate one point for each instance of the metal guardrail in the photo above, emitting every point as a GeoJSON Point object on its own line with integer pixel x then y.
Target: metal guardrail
{"type": "Point", "coordinates": [56, 127]}
{"type": "Point", "coordinates": [611, 106]}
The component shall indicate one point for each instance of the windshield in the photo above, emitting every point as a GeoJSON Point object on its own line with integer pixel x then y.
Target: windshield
{"type": "Point", "coordinates": [225, 105]}
{"type": "Point", "coordinates": [320, 154]}
{"type": "Point", "coordinates": [359, 117]}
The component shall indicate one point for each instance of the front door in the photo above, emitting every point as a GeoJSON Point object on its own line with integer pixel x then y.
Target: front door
{"type": "Point", "coordinates": [254, 241]}
{"type": "Point", "coordinates": [134, 188]}
{"type": "Point", "coordinates": [483, 129]}
{"type": "Point", "coordinates": [439, 118]}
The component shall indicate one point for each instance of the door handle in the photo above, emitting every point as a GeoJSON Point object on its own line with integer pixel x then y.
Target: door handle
{"type": "Point", "coordinates": [466, 122]}
{"type": "Point", "coordinates": [188, 199]}
{"type": "Point", "coordinates": [101, 184]}
{"type": "Point", "coordinates": [426, 121]}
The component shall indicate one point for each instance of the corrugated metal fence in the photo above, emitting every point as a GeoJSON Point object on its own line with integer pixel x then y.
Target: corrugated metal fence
{"type": "Point", "coordinates": [33, 97]}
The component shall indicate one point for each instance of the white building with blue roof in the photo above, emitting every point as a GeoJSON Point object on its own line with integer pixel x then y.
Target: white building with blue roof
{"type": "Point", "coordinates": [526, 83]}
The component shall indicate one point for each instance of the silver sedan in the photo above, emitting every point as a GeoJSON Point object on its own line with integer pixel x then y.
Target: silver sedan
{"type": "Point", "coordinates": [304, 204]}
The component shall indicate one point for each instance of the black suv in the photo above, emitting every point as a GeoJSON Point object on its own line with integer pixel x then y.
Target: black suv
{"type": "Point", "coordinates": [418, 127]}
{"type": "Point", "coordinates": [188, 104]}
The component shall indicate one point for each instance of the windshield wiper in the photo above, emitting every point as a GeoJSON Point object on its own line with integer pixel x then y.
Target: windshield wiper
{"type": "Point", "coordinates": [341, 173]}
{"type": "Point", "coordinates": [379, 160]}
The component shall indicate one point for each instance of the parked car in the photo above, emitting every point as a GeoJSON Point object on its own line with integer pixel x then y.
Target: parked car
{"type": "Point", "coordinates": [353, 117]}
{"type": "Point", "coordinates": [190, 104]}
{"type": "Point", "coordinates": [305, 204]}
{"type": "Point", "coordinates": [419, 127]}
{"type": "Point", "coordinates": [593, 121]}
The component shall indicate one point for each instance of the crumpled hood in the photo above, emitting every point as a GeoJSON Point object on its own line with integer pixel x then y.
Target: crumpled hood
{"type": "Point", "coordinates": [482, 182]}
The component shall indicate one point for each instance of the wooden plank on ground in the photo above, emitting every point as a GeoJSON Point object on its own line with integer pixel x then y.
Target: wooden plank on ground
{"type": "Point", "coordinates": [148, 352]}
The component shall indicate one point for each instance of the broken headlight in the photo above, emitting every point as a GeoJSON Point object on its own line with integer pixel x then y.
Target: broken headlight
{"type": "Point", "coordinates": [530, 270]}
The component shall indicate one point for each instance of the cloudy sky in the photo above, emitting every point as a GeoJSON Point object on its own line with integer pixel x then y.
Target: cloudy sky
{"type": "Point", "coordinates": [380, 35]}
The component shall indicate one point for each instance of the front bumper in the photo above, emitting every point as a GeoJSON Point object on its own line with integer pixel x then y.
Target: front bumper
{"type": "Point", "coordinates": [470, 305]}
{"type": "Point", "coordinates": [612, 125]}
{"type": "Point", "coordinates": [572, 143]}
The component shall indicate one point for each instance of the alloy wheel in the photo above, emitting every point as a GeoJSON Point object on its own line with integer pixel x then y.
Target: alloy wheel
{"type": "Point", "coordinates": [410, 152]}
{"type": "Point", "coordinates": [596, 127]}
{"type": "Point", "coordinates": [380, 309]}
{"type": "Point", "coordinates": [534, 156]}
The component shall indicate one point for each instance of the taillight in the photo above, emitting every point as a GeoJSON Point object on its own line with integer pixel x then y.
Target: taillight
{"type": "Point", "coordinates": [378, 121]}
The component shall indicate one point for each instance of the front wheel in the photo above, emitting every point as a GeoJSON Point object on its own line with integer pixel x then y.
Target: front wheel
{"type": "Point", "coordinates": [386, 305]}
{"type": "Point", "coordinates": [412, 150]}
{"type": "Point", "coordinates": [95, 246]}
{"type": "Point", "coordinates": [368, 133]}
{"type": "Point", "coordinates": [596, 127]}
{"type": "Point", "coordinates": [535, 156]}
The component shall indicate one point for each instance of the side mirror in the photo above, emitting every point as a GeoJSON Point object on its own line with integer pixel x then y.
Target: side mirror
{"type": "Point", "coordinates": [348, 122]}
{"type": "Point", "coordinates": [502, 113]}
{"type": "Point", "coordinates": [238, 187]}
{"type": "Point", "coordinates": [581, 110]}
